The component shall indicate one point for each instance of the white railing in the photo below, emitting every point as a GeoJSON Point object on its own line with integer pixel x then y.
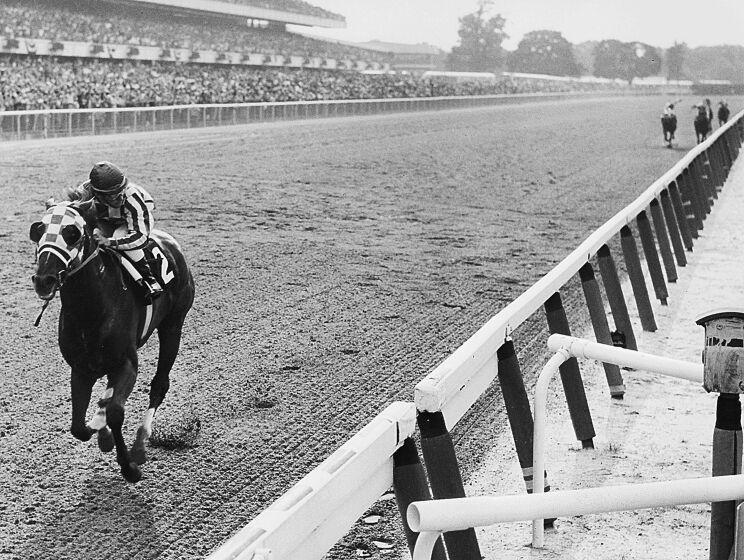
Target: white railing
{"type": "Point", "coordinates": [315, 513]}
{"type": "Point", "coordinates": [431, 518]}
{"type": "Point", "coordinates": [54, 123]}
{"type": "Point", "coordinates": [457, 383]}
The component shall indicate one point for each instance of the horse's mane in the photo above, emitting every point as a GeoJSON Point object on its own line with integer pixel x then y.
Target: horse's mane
{"type": "Point", "coordinates": [79, 193]}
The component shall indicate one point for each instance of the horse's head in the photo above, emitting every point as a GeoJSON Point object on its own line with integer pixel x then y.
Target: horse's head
{"type": "Point", "coordinates": [60, 237]}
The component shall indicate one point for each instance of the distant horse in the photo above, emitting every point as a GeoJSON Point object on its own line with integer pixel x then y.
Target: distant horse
{"type": "Point", "coordinates": [669, 127]}
{"type": "Point", "coordinates": [702, 123]}
{"type": "Point", "coordinates": [709, 114]}
{"type": "Point", "coordinates": [723, 113]}
{"type": "Point", "coordinates": [104, 320]}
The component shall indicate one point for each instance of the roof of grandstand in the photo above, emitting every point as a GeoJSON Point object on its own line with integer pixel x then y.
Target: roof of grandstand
{"type": "Point", "coordinates": [400, 48]}
{"type": "Point", "coordinates": [286, 11]}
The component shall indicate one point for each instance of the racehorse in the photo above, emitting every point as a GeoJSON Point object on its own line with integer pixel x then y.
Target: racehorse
{"type": "Point", "coordinates": [702, 123]}
{"type": "Point", "coordinates": [104, 319]}
{"type": "Point", "coordinates": [723, 113]}
{"type": "Point", "coordinates": [669, 127]}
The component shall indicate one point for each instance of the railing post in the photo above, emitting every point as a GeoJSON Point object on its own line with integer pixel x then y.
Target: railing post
{"type": "Point", "coordinates": [518, 411]}
{"type": "Point", "coordinates": [573, 385]}
{"type": "Point", "coordinates": [615, 297]}
{"type": "Point", "coordinates": [662, 239]}
{"type": "Point", "coordinates": [696, 176]}
{"type": "Point", "coordinates": [679, 211]}
{"type": "Point", "coordinates": [637, 280]}
{"type": "Point", "coordinates": [698, 179]}
{"type": "Point", "coordinates": [672, 229]}
{"type": "Point", "coordinates": [601, 327]}
{"type": "Point", "coordinates": [410, 485]}
{"type": "Point", "coordinates": [445, 479]}
{"type": "Point", "coordinates": [652, 257]}
{"type": "Point", "coordinates": [698, 210]}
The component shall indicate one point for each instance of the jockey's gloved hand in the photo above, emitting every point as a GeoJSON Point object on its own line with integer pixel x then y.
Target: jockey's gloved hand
{"type": "Point", "coordinates": [101, 239]}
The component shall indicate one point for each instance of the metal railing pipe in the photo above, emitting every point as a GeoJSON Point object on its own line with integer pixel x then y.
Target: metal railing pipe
{"type": "Point", "coordinates": [480, 511]}
{"type": "Point", "coordinates": [582, 348]}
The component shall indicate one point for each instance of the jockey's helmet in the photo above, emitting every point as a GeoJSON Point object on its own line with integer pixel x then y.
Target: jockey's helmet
{"type": "Point", "coordinates": [106, 178]}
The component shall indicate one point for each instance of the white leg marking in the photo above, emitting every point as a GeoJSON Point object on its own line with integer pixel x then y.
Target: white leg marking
{"type": "Point", "coordinates": [147, 421]}
{"type": "Point", "coordinates": [98, 421]}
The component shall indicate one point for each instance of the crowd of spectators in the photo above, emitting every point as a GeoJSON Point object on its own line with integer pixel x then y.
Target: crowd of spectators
{"type": "Point", "coordinates": [42, 82]}
{"type": "Point", "coordinates": [98, 23]}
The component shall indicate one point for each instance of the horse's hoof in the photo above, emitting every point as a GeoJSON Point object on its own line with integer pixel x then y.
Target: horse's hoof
{"type": "Point", "coordinates": [132, 473]}
{"type": "Point", "coordinates": [105, 440]}
{"type": "Point", "coordinates": [138, 453]}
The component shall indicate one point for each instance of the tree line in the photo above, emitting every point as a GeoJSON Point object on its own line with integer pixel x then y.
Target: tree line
{"type": "Point", "coordinates": [547, 52]}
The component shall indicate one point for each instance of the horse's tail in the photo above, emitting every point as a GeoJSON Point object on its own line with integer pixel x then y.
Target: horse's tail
{"type": "Point", "coordinates": [80, 193]}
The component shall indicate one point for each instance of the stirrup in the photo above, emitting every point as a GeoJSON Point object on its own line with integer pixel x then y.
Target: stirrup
{"type": "Point", "coordinates": [152, 289]}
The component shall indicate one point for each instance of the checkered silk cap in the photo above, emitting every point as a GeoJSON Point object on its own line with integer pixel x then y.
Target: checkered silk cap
{"type": "Point", "coordinates": [56, 218]}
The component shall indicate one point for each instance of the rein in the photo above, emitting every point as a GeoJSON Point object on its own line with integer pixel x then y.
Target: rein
{"type": "Point", "coordinates": [62, 278]}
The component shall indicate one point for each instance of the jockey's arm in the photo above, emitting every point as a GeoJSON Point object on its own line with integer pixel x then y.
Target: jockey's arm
{"type": "Point", "coordinates": [139, 225]}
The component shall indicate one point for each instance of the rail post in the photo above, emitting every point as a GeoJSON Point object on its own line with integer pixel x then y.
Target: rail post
{"type": "Point", "coordinates": [690, 201]}
{"type": "Point", "coordinates": [723, 352]}
{"type": "Point", "coordinates": [662, 238]}
{"type": "Point", "coordinates": [601, 327]}
{"type": "Point", "coordinates": [672, 229]}
{"type": "Point", "coordinates": [681, 217]}
{"type": "Point", "coordinates": [615, 297]}
{"type": "Point", "coordinates": [652, 257]}
{"type": "Point", "coordinates": [573, 385]}
{"type": "Point", "coordinates": [637, 281]}
{"type": "Point", "coordinates": [410, 485]}
{"type": "Point", "coordinates": [445, 479]}
{"type": "Point", "coordinates": [518, 411]}
{"type": "Point", "coordinates": [698, 179]}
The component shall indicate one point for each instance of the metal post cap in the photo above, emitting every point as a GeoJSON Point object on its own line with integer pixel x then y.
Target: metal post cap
{"type": "Point", "coordinates": [720, 313]}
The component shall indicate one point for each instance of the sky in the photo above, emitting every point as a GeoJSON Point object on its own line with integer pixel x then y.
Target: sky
{"type": "Point", "coordinates": [657, 22]}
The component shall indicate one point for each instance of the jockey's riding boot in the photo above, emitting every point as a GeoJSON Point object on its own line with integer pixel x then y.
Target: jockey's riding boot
{"type": "Point", "coordinates": [149, 281]}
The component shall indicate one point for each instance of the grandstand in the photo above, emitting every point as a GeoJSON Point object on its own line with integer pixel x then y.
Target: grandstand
{"type": "Point", "coordinates": [89, 54]}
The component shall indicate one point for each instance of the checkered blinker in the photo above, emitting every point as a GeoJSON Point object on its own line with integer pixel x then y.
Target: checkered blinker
{"type": "Point", "coordinates": [60, 232]}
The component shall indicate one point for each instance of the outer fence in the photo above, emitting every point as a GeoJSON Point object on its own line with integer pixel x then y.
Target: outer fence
{"type": "Point", "coordinates": [678, 203]}
{"type": "Point", "coordinates": [433, 517]}
{"type": "Point", "coordinates": [55, 123]}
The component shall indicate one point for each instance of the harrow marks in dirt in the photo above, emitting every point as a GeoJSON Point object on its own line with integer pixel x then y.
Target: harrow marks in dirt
{"type": "Point", "coordinates": [336, 263]}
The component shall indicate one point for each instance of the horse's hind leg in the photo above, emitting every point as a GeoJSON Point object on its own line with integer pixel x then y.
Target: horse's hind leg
{"type": "Point", "coordinates": [122, 381]}
{"type": "Point", "coordinates": [169, 338]}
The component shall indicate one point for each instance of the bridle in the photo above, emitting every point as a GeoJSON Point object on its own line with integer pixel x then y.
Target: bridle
{"type": "Point", "coordinates": [67, 272]}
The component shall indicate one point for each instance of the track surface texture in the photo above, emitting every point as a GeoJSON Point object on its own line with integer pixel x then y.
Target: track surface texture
{"type": "Point", "coordinates": [337, 262]}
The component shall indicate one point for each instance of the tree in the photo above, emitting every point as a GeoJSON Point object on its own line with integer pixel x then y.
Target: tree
{"type": "Point", "coordinates": [614, 59]}
{"type": "Point", "coordinates": [675, 60]}
{"type": "Point", "coordinates": [544, 52]}
{"type": "Point", "coordinates": [480, 47]}
{"type": "Point", "coordinates": [647, 61]}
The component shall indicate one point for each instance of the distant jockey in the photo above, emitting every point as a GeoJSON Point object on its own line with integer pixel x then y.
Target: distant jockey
{"type": "Point", "coordinates": [723, 112]}
{"type": "Point", "coordinates": [127, 209]}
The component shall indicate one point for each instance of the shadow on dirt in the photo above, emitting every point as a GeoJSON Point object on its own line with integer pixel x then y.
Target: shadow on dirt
{"type": "Point", "coordinates": [94, 522]}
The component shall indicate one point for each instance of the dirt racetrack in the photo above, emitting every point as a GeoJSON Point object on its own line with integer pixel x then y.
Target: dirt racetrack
{"type": "Point", "coordinates": [336, 262]}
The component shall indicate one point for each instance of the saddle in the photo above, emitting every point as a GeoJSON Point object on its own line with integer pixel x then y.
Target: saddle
{"type": "Point", "coordinates": [161, 267]}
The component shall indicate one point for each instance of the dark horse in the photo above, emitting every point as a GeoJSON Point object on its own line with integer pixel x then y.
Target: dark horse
{"type": "Point", "coordinates": [702, 123]}
{"type": "Point", "coordinates": [104, 320]}
{"type": "Point", "coordinates": [669, 127]}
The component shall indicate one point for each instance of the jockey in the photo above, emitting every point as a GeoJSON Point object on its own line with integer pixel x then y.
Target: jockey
{"type": "Point", "coordinates": [669, 109]}
{"type": "Point", "coordinates": [128, 209]}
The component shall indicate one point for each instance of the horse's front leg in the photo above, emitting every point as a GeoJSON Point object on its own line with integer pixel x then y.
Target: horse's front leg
{"type": "Point", "coordinates": [98, 423]}
{"type": "Point", "coordinates": [81, 386]}
{"type": "Point", "coordinates": [122, 382]}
